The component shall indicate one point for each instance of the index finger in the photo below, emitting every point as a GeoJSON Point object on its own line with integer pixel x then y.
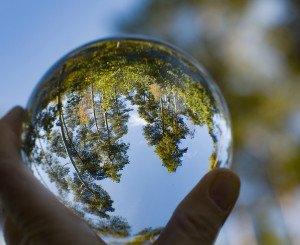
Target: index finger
{"type": "Point", "coordinates": [33, 210]}
{"type": "Point", "coordinates": [10, 134]}
{"type": "Point", "coordinates": [14, 119]}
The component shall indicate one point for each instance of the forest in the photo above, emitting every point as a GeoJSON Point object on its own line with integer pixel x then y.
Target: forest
{"type": "Point", "coordinates": [79, 116]}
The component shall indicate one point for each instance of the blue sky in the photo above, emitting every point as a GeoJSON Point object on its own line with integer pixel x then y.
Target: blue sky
{"type": "Point", "coordinates": [35, 34]}
{"type": "Point", "coordinates": [148, 194]}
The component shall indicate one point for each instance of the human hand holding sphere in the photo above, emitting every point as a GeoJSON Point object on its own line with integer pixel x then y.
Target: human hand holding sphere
{"type": "Point", "coordinates": [85, 119]}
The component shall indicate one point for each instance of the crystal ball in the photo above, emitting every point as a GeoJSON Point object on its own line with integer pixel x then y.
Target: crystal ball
{"type": "Point", "coordinates": [121, 129]}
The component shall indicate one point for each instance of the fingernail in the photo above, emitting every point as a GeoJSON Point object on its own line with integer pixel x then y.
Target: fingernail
{"type": "Point", "coordinates": [224, 190]}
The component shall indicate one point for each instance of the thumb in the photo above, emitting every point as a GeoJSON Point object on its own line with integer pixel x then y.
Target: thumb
{"type": "Point", "coordinates": [199, 217]}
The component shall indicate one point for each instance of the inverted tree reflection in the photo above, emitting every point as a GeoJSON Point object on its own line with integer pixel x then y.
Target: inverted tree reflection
{"type": "Point", "coordinates": [78, 137]}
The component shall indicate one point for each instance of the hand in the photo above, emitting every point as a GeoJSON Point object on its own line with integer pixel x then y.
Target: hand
{"type": "Point", "coordinates": [32, 215]}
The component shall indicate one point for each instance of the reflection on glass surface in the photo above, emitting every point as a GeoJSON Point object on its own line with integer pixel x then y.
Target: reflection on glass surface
{"type": "Point", "coordinates": [121, 130]}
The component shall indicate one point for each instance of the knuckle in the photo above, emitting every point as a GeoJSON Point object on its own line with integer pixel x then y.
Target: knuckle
{"type": "Point", "coordinates": [199, 227]}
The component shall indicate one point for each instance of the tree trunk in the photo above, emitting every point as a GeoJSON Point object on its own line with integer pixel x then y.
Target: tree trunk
{"type": "Point", "coordinates": [175, 109]}
{"type": "Point", "coordinates": [94, 112]}
{"type": "Point", "coordinates": [66, 143]}
{"type": "Point", "coordinates": [117, 105]}
{"type": "Point", "coordinates": [162, 115]}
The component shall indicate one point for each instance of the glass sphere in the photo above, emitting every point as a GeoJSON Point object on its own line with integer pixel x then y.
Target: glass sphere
{"type": "Point", "coordinates": [120, 130]}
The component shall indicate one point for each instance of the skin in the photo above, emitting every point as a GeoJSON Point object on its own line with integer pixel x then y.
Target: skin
{"type": "Point", "coordinates": [32, 215]}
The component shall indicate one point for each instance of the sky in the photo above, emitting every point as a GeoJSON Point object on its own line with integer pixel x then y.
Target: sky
{"type": "Point", "coordinates": [35, 34]}
{"type": "Point", "coordinates": [147, 193]}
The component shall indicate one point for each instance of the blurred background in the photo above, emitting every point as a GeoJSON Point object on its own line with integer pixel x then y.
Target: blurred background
{"type": "Point", "coordinates": [250, 47]}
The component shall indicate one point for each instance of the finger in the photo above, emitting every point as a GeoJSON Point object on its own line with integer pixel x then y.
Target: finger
{"type": "Point", "coordinates": [199, 217]}
{"type": "Point", "coordinates": [1, 218]}
{"type": "Point", "coordinates": [12, 232]}
{"type": "Point", "coordinates": [32, 210]}
{"type": "Point", "coordinates": [14, 119]}
{"type": "Point", "coordinates": [10, 132]}
{"type": "Point", "coordinates": [38, 215]}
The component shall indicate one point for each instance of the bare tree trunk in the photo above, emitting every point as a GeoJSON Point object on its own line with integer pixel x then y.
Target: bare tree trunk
{"type": "Point", "coordinates": [66, 143]}
{"type": "Point", "coordinates": [70, 140]}
{"type": "Point", "coordinates": [162, 115]}
{"type": "Point", "coordinates": [94, 111]}
{"type": "Point", "coordinates": [116, 99]}
{"type": "Point", "coordinates": [175, 108]}
{"type": "Point", "coordinates": [107, 130]}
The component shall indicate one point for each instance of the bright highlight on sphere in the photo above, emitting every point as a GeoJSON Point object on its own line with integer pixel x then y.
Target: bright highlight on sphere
{"type": "Point", "coordinates": [120, 130]}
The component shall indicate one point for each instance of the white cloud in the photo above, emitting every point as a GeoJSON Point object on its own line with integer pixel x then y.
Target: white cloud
{"type": "Point", "coordinates": [136, 121]}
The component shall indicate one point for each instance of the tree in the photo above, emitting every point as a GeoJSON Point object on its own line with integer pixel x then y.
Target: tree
{"type": "Point", "coordinates": [76, 133]}
{"type": "Point", "coordinates": [146, 235]}
{"type": "Point", "coordinates": [259, 95]}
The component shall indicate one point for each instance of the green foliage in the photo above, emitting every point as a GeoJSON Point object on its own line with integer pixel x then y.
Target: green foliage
{"type": "Point", "coordinates": [223, 36]}
{"type": "Point", "coordinates": [115, 226]}
{"type": "Point", "coordinates": [147, 235]}
{"type": "Point", "coordinates": [77, 135]}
